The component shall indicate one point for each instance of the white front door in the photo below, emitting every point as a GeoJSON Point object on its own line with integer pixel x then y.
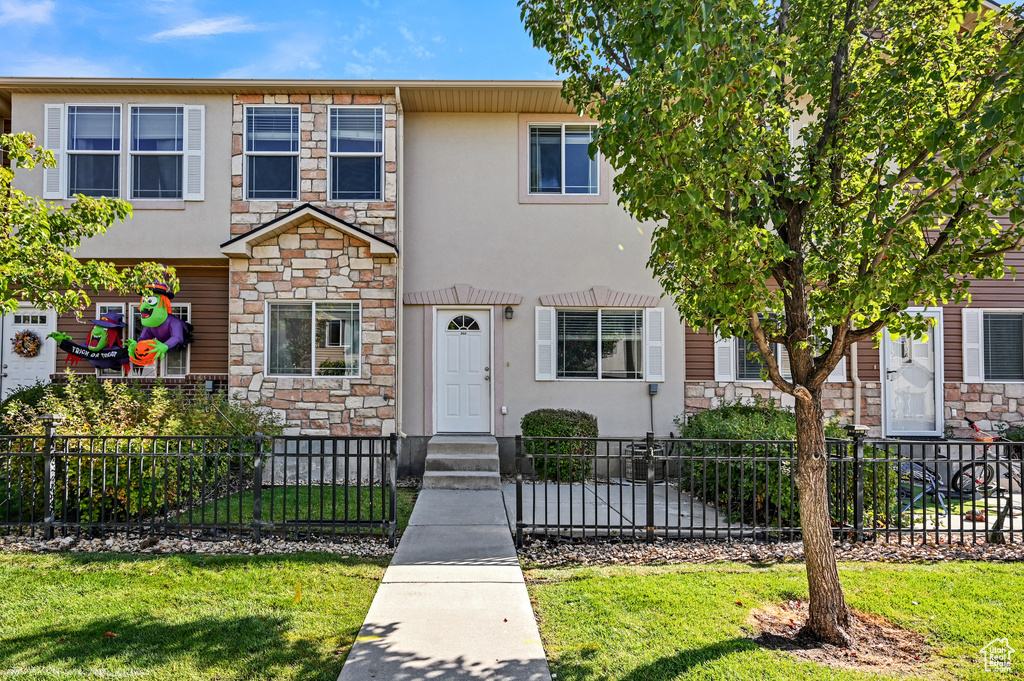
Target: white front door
{"type": "Point", "coordinates": [912, 382]}
{"type": "Point", "coordinates": [462, 370]}
{"type": "Point", "coordinates": [19, 371]}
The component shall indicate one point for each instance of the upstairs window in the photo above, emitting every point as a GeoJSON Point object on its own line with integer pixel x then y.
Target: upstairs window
{"type": "Point", "coordinates": [356, 154]}
{"type": "Point", "coordinates": [94, 146]}
{"type": "Point", "coordinates": [272, 152]}
{"type": "Point", "coordinates": [157, 152]}
{"type": "Point", "coordinates": [560, 161]}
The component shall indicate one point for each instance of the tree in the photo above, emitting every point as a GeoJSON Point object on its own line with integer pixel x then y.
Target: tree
{"type": "Point", "coordinates": [37, 242]}
{"type": "Point", "coordinates": [813, 168]}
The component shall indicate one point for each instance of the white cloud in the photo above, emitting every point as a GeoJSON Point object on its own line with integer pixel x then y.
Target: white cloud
{"type": "Point", "coordinates": [15, 11]}
{"type": "Point", "coordinates": [55, 66]}
{"type": "Point", "coordinates": [353, 70]}
{"type": "Point", "coordinates": [207, 27]}
{"type": "Point", "coordinates": [295, 57]}
{"type": "Point", "coordinates": [415, 46]}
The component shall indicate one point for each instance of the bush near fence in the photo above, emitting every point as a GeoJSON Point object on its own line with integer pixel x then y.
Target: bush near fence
{"type": "Point", "coordinates": [156, 431]}
{"type": "Point", "coordinates": [760, 489]}
{"type": "Point", "coordinates": [561, 461]}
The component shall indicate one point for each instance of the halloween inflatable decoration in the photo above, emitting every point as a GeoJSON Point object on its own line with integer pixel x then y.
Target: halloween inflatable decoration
{"type": "Point", "coordinates": [103, 350]}
{"type": "Point", "coordinates": [161, 331]}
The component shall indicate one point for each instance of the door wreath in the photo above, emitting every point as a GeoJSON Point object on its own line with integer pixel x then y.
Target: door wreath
{"type": "Point", "coordinates": [26, 344]}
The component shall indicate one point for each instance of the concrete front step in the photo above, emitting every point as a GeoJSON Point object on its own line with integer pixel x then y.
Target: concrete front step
{"type": "Point", "coordinates": [462, 462]}
{"type": "Point", "coordinates": [461, 480]}
{"type": "Point", "coordinates": [462, 444]}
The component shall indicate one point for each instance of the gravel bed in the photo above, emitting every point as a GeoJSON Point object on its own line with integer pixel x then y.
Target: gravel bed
{"type": "Point", "coordinates": [547, 553]}
{"type": "Point", "coordinates": [363, 547]}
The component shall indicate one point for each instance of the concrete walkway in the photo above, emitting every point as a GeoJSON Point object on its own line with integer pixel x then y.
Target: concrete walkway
{"type": "Point", "coordinates": [453, 603]}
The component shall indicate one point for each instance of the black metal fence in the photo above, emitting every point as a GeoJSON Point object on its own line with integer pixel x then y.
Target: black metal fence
{"type": "Point", "coordinates": [945, 491]}
{"type": "Point", "coordinates": [206, 487]}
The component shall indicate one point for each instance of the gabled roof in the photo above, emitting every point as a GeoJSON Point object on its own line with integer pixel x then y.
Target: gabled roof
{"type": "Point", "coordinates": [462, 294]}
{"type": "Point", "coordinates": [243, 243]}
{"type": "Point", "coordinates": [599, 296]}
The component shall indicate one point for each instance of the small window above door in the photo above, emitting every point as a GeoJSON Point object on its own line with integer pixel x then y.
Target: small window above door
{"type": "Point", "coordinates": [463, 323]}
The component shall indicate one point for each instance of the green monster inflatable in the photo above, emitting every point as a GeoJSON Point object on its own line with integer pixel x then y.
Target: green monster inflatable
{"type": "Point", "coordinates": [162, 330]}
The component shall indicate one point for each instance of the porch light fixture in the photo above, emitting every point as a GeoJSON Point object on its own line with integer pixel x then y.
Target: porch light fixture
{"type": "Point", "coordinates": [508, 312]}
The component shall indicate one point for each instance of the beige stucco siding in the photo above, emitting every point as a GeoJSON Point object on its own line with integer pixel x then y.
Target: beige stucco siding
{"type": "Point", "coordinates": [192, 230]}
{"type": "Point", "coordinates": [464, 225]}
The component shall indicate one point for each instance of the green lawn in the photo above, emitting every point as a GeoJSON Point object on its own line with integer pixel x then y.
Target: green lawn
{"type": "Point", "coordinates": [181, 617]}
{"type": "Point", "coordinates": [683, 622]}
{"type": "Point", "coordinates": [303, 503]}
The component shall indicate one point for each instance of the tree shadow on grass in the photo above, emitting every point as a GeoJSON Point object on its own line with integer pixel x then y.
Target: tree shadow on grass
{"type": "Point", "coordinates": [664, 668]}
{"type": "Point", "coordinates": [208, 647]}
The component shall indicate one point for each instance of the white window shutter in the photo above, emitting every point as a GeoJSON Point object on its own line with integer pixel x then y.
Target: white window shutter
{"type": "Point", "coordinates": [654, 329]}
{"type": "Point", "coordinates": [53, 139]}
{"type": "Point", "coordinates": [785, 365]}
{"type": "Point", "coordinates": [195, 146]}
{"type": "Point", "coordinates": [725, 357]}
{"type": "Point", "coordinates": [545, 343]}
{"type": "Point", "coordinates": [973, 348]}
{"type": "Point", "coordinates": [838, 374]}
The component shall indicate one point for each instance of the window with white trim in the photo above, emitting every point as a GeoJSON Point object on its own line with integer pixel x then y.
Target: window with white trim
{"type": "Point", "coordinates": [94, 150]}
{"type": "Point", "coordinates": [175, 363]}
{"type": "Point", "coordinates": [103, 309]}
{"type": "Point", "coordinates": [600, 344]}
{"type": "Point", "coordinates": [272, 152]}
{"type": "Point", "coordinates": [560, 161]}
{"type": "Point", "coordinates": [313, 339]}
{"type": "Point", "coordinates": [157, 152]}
{"type": "Point", "coordinates": [993, 345]}
{"type": "Point", "coordinates": [737, 359]}
{"type": "Point", "coordinates": [356, 152]}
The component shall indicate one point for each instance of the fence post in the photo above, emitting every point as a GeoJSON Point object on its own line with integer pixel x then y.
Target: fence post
{"type": "Point", "coordinates": [257, 494]}
{"type": "Point", "coordinates": [858, 433]}
{"type": "Point", "coordinates": [393, 491]}
{"type": "Point", "coordinates": [649, 456]}
{"type": "Point", "coordinates": [50, 422]}
{"type": "Point", "coordinates": [519, 491]}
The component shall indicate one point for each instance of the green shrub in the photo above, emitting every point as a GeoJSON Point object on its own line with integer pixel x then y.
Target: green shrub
{"type": "Point", "coordinates": [562, 461]}
{"type": "Point", "coordinates": [760, 490]}
{"type": "Point", "coordinates": [125, 419]}
{"type": "Point", "coordinates": [29, 396]}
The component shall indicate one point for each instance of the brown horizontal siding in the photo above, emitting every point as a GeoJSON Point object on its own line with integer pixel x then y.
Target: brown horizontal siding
{"type": "Point", "coordinates": [206, 288]}
{"type": "Point", "coordinates": [700, 355]}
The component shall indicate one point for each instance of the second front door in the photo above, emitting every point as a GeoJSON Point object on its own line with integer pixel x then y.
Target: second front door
{"type": "Point", "coordinates": [462, 371]}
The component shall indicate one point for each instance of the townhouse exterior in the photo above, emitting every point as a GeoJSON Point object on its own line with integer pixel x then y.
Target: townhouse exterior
{"type": "Point", "coordinates": [420, 257]}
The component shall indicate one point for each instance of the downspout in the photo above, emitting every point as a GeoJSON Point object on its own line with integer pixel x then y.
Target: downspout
{"type": "Point", "coordinates": [400, 281]}
{"type": "Point", "coordinates": [855, 375]}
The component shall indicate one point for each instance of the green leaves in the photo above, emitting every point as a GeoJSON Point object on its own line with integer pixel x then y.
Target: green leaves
{"type": "Point", "coordinates": [837, 171]}
{"type": "Point", "coordinates": [38, 240]}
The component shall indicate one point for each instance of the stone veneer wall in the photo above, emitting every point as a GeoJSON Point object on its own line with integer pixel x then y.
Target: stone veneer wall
{"type": "Point", "coordinates": [376, 217]}
{"type": "Point", "coordinates": [314, 262]}
{"type": "Point", "coordinates": [986, 403]}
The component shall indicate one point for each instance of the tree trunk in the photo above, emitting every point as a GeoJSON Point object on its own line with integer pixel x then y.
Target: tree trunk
{"type": "Point", "coordinates": [829, 619]}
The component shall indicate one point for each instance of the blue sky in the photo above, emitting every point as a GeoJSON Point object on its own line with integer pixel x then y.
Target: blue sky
{"type": "Point", "coordinates": [350, 39]}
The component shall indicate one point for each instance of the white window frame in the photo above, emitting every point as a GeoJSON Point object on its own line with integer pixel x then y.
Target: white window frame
{"type": "Point", "coordinates": [312, 321]}
{"type": "Point", "coordinates": [349, 154]}
{"type": "Point", "coordinates": [604, 171]}
{"type": "Point", "coordinates": [68, 152]}
{"type": "Point", "coordinates": [562, 126]}
{"type": "Point", "coordinates": [131, 153]}
{"type": "Point", "coordinates": [246, 153]}
{"type": "Point", "coordinates": [600, 362]}
{"type": "Point", "coordinates": [102, 309]}
{"type": "Point", "coordinates": [730, 374]}
{"type": "Point", "coordinates": [969, 346]}
{"type": "Point", "coordinates": [160, 369]}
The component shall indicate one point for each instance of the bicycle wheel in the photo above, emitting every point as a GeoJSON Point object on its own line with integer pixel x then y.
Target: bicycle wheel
{"type": "Point", "coordinates": [974, 477]}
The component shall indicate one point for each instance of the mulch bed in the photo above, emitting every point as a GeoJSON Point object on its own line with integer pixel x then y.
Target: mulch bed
{"type": "Point", "coordinates": [880, 646]}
